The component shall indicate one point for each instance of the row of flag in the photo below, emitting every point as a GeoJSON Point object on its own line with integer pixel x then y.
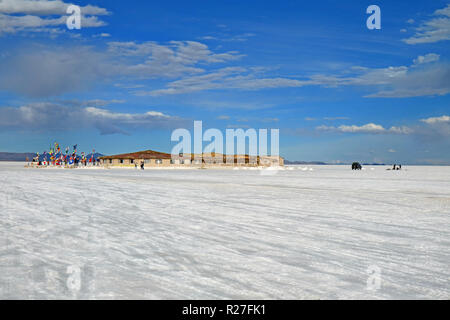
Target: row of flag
{"type": "Point", "coordinates": [56, 156]}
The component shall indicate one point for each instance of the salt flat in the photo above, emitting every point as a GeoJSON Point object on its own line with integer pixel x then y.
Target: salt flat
{"type": "Point", "coordinates": [304, 233]}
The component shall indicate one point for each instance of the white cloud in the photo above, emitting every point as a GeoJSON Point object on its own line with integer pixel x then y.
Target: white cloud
{"type": "Point", "coordinates": [125, 118]}
{"type": "Point", "coordinates": [13, 24]}
{"type": "Point", "coordinates": [434, 30]}
{"type": "Point", "coordinates": [183, 52]}
{"type": "Point", "coordinates": [207, 38]}
{"type": "Point", "coordinates": [102, 35]}
{"type": "Point", "coordinates": [430, 57]}
{"type": "Point", "coordinates": [433, 120]}
{"type": "Point", "coordinates": [432, 128]}
{"type": "Point", "coordinates": [39, 71]}
{"type": "Point", "coordinates": [436, 126]}
{"type": "Point", "coordinates": [400, 130]}
{"type": "Point", "coordinates": [45, 7]}
{"type": "Point", "coordinates": [39, 16]}
{"type": "Point", "coordinates": [367, 128]}
{"type": "Point", "coordinates": [172, 60]}
{"type": "Point", "coordinates": [424, 77]}
{"type": "Point", "coordinates": [225, 78]}
{"type": "Point", "coordinates": [62, 117]}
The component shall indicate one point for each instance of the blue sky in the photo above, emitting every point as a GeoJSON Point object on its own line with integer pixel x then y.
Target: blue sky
{"type": "Point", "coordinates": [136, 70]}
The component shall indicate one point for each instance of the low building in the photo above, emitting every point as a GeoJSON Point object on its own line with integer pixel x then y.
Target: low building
{"type": "Point", "coordinates": [152, 158]}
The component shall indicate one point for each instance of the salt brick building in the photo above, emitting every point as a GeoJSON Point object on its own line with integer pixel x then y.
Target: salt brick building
{"type": "Point", "coordinates": [152, 158]}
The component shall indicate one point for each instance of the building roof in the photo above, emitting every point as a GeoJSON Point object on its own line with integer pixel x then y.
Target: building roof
{"type": "Point", "coordinates": [148, 154]}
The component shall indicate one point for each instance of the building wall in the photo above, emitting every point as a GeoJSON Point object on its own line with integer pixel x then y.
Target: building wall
{"type": "Point", "coordinates": [185, 161]}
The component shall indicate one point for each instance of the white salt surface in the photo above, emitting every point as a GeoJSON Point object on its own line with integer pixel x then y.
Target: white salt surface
{"type": "Point", "coordinates": [300, 233]}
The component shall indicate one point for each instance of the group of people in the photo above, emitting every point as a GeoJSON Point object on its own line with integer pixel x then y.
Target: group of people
{"type": "Point", "coordinates": [66, 161]}
{"type": "Point", "coordinates": [141, 165]}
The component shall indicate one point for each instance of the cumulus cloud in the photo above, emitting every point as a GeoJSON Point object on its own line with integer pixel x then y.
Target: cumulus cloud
{"type": "Point", "coordinates": [367, 128]}
{"type": "Point", "coordinates": [46, 116]}
{"type": "Point", "coordinates": [433, 30]}
{"type": "Point", "coordinates": [38, 71]}
{"type": "Point", "coordinates": [430, 57]}
{"type": "Point", "coordinates": [428, 129]}
{"type": "Point", "coordinates": [434, 120]}
{"type": "Point", "coordinates": [436, 126]}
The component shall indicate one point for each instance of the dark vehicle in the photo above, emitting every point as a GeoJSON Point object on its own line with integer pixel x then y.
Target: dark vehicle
{"type": "Point", "coordinates": [356, 166]}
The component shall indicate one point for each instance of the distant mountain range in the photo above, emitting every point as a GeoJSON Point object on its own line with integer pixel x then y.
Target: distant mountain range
{"type": "Point", "coordinates": [13, 156]}
{"type": "Point", "coordinates": [374, 164]}
{"type": "Point", "coordinates": [324, 163]}
{"type": "Point", "coordinates": [304, 162]}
